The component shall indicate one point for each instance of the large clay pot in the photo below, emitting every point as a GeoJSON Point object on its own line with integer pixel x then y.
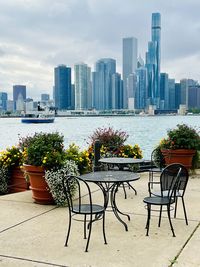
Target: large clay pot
{"type": "Point", "coordinates": [17, 182]}
{"type": "Point", "coordinates": [38, 185]}
{"type": "Point", "coordinates": [183, 156]}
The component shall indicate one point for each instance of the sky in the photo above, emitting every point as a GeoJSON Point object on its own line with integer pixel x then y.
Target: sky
{"type": "Point", "coordinates": [38, 35]}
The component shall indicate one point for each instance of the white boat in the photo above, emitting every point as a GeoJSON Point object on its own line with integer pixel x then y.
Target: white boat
{"type": "Point", "coordinates": [44, 115]}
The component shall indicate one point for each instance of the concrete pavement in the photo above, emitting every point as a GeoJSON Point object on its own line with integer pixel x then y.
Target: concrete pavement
{"type": "Point", "coordinates": [34, 235]}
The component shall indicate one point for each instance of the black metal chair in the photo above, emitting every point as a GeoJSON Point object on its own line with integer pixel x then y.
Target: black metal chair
{"type": "Point", "coordinates": [156, 165]}
{"type": "Point", "coordinates": [170, 180]}
{"type": "Point", "coordinates": [83, 206]}
{"type": "Point", "coordinates": [184, 176]}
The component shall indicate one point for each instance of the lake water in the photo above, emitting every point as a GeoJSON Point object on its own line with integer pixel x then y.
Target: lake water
{"type": "Point", "coordinates": [144, 131]}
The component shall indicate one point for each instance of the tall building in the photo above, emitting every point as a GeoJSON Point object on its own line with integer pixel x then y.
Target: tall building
{"type": "Point", "coordinates": [117, 91]}
{"type": "Point", "coordinates": [164, 91]}
{"type": "Point", "coordinates": [130, 55]}
{"type": "Point", "coordinates": [19, 93]}
{"type": "Point", "coordinates": [184, 92]}
{"type": "Point", "coordinates": [172, 100]}
{"type": "Point", "coordinates": [194, 96]}
{"type": "Point", "coordinates": [83, 88]}
{"type": "Point", "coordinates": [153, 61]}
{"type": "Point", "coordinates": [62, 88]}
{"type": "Point", "coordinates": [141, 88]}
{"type": "Point", "coordinates": [102, 83]}
{"type": "Point", "coordinates": [177, 95]}
{"type": "Point", "coordinates": [3, 101]}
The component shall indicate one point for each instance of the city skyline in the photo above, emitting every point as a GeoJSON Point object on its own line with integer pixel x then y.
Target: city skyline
{"type": "Point", "coordinates": [39, 35]}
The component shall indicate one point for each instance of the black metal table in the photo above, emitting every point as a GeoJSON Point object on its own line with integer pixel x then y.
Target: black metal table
{"type": "Point", "coordinates": [120, 162]}
{"type": "Point", "coordinates": [109, 181]}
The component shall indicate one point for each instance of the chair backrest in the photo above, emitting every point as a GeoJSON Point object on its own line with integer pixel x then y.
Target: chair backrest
{"type": "Point", "coordinates": [82, 192]}
{"type": "Point", "coordinates": [172, 179]}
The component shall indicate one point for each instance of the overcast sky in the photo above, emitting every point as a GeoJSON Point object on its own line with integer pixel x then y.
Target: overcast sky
{"type": "Point", "coordinates": [37, 35]}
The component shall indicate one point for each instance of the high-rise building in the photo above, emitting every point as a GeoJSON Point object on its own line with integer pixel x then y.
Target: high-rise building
{"type": "Point", "coordinates": [194, 96]}
{"type": "Point", "coordinates": [19, 93]}
{"type": "Point", "coordinates": [184, 92]}
{"type": "Point", "coordinates": [177, 95]}
{"type": "Point", "coordinates": [164, 91]}
{"type": "Point", "coordinates": [172, 100]}
{"type": "Point", "coordinates": [102, 83]}
{"type": "Point", "coordinates": [141, 88]}
{"type": "Point", "coordinates": [3, 101]}
{"type": "Point", "coordinates": [62, 88]}
{"type": "Point", "coordinates": [130, 59]}
{"type": "Point", "coordinates": [153, 61]}
{"type": "Point", "coordinates": [117, 91]}
{"type": "Point", "coordinates": [83, 88]}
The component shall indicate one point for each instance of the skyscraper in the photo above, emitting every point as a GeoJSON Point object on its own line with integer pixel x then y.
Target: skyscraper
{"type": "Point", "coordinates": [62, 88]}
{"type": "Point", "coordinates": [153, 61]}
{"type": "Point", "coordinates": [117, 91]}
{"type": "Point", "coordinates": [19, 92]}
{"type": "Point", "coordinates": [3, 101]}
{"type": "Point", "coordinates": [129, 65]}
{"type": "Point", "coordinates": [83, 89]}
{"type": "Point", "coordinates": [102, 83]}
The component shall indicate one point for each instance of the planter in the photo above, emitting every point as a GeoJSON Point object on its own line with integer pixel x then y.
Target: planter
{"type": "Point", "coordinates": [17, 182]}
{"type": "Point", "coordinates": [182, 156]}
{"type": "Point", "coordinates": [38, 185]}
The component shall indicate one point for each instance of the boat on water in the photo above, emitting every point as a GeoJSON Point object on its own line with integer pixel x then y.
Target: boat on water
{"type": "Point", "coordinates": [42, 115]}
{"type": "Point", "coordinates": [40, 118]}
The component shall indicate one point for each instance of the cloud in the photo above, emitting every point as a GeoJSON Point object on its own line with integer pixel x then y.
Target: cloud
{"type": "Point", "coordinates": [37, 35]}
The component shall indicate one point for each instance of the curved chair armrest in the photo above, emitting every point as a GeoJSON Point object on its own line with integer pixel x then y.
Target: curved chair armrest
{"type": "Point", "coordinates": [149, 186]}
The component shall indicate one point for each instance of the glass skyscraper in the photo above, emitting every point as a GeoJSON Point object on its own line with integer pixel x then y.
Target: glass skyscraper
{"type": "Point", "coordinates": [19, 91]}
{"type": "Point", "coordinates": [129, 65]}
{"type": "Point", "coordinates": [102, 83]}
{"type": "Point", "coordinates": [83, 90]}
{"type": "Point", "coordinates": [153, 61]}
{"type": "Point", "coordinates": [62, 88]}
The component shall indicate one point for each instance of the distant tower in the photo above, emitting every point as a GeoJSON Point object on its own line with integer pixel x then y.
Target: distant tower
{"type": "Point", "coordinates": [62, 88]}
{"type": "Point", "coordinates": [83, 89]}
{"type": "Point", "coordinates": [153, 61]}
{"type": "Point", "coordinates": [129, 65]}
{"type": "Point", "coordinates": [3, 101]}
{"type": "Point", "coordinates": [102, 83]}
{"type": "Point", "coordinates": [19, 91]}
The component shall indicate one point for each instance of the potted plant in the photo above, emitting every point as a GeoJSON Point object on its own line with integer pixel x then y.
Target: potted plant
{"type": "Point", "coordinates": [113, 144]}
{"type": "Point", "coordinates": [41, 152]}
{"type": "Point", "coordinates": [80, 157]}
{"type": "Point", "coordinates": [11, 160]}
{"type": "Point", "coordinates": [54, 180]}
{"type": "Point", "coordinates": [181, 146]}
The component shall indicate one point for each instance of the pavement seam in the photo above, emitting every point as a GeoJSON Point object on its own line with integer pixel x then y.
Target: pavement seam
{"type": "Point", "coordinates": [38, 215]}
{"type": "Point", "coordinates": [36, 261]}
{"type": "Point", "coordinates": [174, 261]}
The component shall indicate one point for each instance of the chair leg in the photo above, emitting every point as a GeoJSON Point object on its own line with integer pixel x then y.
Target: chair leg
{"type": "Point", "coordinates": [148, 218]}
{"type": "Point", "coordinates": [175, 209]}
{"type": "Point", "coordinates": [186, 220]}
{"type": "Point", "coordinates": [104, 233]}
{"type": "Point", "coordinates": [170, 222]}
{"type": "Point", "coordinates": [160, 216]}
{"type": "Point", "coordinates": [89, 234]}
{"type": "Point", "coordinates": [69, 228]}
{"type": "Point", "coordinates": [85, 217]}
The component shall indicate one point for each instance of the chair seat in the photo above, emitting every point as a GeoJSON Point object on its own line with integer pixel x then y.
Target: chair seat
{"type": "Point", "coordinates": [158, 200]}
{"type": "Point", "coordinates": [86, 209]}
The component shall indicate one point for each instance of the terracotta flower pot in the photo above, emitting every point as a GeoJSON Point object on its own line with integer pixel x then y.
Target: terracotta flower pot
{"type": "Point", "coordinates": [18, 182]}
{"type": "Point", "coordinates": [182, 156]}
{"type": "Point", "coordinates": [38, 185]}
